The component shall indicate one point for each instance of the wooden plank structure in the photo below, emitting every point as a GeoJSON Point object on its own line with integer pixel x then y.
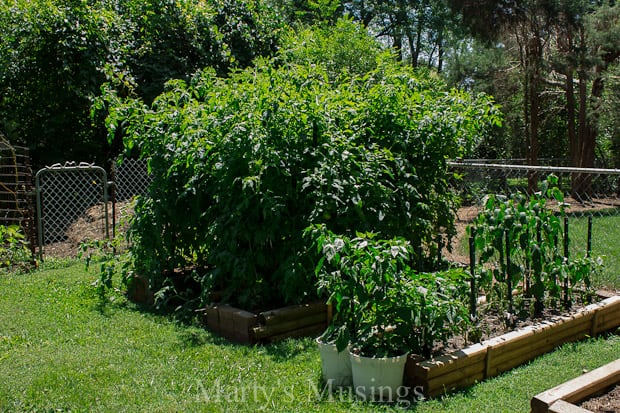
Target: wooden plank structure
{"type": "Point", "coordinates": [561, 399]}
{"type": "Point", "coordinates": [465, 367]}
{"type": "Point", "coordinates": [268, 326]}
{"type": "Point", "coordinates": [16, 189]}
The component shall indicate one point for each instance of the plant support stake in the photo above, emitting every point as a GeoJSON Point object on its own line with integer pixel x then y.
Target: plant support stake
{"type": "Point", "coordinates": [566, 239]}
{"type": "Point", "coordinates": [589, 247]}
{"type": "Point", "coordinates": [508, 275]}
{"type": "Point", "coordinates": [472, 267]}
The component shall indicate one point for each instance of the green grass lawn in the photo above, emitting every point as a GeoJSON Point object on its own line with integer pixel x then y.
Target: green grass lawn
{"type": "Point", "coordinates": [62, 350]}
{"type": "Point", "coordinates": [605, 243]}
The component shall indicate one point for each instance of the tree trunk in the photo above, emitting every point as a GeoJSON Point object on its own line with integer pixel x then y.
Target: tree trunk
{"type": "Point", "coordinates": [440, 52]}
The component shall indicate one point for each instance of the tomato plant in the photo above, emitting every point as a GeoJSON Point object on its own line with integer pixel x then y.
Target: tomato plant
{"type": "Point", "coordinates": [243, 165]}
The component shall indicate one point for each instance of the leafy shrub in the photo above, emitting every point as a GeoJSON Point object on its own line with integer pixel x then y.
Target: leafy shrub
{"type": "Point", "coordinates": [243, 165]}
{"type": "Point", "coordinates": [344, 49]}
{"type": "Point", "coordinates": [55, 55]}
{"type": "Point", "coordinates": [15, 253]}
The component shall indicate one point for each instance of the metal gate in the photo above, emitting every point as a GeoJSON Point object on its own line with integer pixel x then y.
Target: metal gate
{"type": "Point", "coordinates": [66, 194]}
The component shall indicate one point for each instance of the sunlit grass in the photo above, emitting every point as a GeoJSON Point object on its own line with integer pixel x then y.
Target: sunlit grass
{"type": "Point", "coordinates": [62, 349]}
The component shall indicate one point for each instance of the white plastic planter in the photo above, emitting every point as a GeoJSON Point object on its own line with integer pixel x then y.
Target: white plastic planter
{"type": "Point", "coordinates": [377, 378]}
{"type": "Point", "coordinates": [335, 366]}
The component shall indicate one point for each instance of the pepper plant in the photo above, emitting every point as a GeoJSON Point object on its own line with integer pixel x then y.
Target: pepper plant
{"type": "Point", "coordinates": [520, 244]}
{"type": "Point", "coordinates": [382, 306]}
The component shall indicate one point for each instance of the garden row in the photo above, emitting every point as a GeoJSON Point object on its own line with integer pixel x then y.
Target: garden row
{"type": "Point", "coordinates": [384, 311]}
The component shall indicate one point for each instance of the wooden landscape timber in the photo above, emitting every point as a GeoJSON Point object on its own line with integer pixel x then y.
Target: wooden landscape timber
{"type": "Point", "coordinates": [465, 367]}
{"type": "Point", "coordinates": [273, 325]}
{"type": "Point", "coordinates": [562, 398]}
{"type": "Point", "coordinates": [439, 375]}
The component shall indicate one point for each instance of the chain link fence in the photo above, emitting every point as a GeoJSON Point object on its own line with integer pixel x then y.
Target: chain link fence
{"type": "Point", "coordinates": [589, 193]}
{"type": "Point", "coordinates": [76, 203]}
{"type": "Point", "coordinates": [130, 178]}
{"type": "Point", "coordinates": [72, 204]}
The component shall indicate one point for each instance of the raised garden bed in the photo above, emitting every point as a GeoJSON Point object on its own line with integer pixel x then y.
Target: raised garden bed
{"type": "Point", "coordinates": [465, 367]}
{"type": "Point", "coordinates": [267, 326]}
{"type": "Point", "coordinates": [566, 397]}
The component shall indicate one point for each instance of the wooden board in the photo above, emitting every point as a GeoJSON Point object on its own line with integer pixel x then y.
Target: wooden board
{"type": "Point", "coordinates": [490, 358]}
{"type": "Point", "coordinates": [578, 389]}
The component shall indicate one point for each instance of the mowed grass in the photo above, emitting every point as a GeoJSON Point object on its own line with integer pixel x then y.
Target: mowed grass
{"type": "Point", "coordinates": [605, 243]}
{"type": "Point", "coordinates": [62, 349]}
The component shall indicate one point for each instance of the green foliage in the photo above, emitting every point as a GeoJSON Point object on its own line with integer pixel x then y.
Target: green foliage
{"type": "Point", "coordinates": [243, 165]}
{"type": "Point", "coordinates": [534, 260]}
{"type": "Point", "coordinates": [382, 306]}
{"type": "Point", "coordinates": [15, 254]}
{"type": "Point", "coordinates": [111, 262]}
{"type": "Point", "coordinates": [55, 55]}
{"type": "Point", "coordinates": [344, 49]}
{"type": "Point", "coordinates": [310, 12]}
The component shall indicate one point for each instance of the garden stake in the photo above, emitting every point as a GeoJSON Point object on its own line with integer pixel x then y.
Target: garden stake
{"type": "Point", "coordinates": [528, 274]}
{"type": "Point", "coordinates": [589, 248]}
{"type": "Point", "coordinates": [508, 278]}
{"type": "Point", "coordinates": [566, 239]}
{"type": "Point", "coordinates": [472, 266]}
{"type": "Point", "coordinates": [537, 257]}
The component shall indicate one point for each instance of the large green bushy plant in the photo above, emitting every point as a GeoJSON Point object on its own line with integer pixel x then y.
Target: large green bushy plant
{"type": "Point", "coordinates": [243, 165]}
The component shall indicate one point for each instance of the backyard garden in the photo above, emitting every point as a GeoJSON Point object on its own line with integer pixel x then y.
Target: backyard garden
{"type": "Point", "coordinates": [63, 348]}
{"type": "Point", "coordinates": [278, 187]}
{"type": "Point", "coordinates": [307, 238]}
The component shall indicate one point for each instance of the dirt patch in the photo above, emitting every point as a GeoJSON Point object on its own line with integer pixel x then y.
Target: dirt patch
{"type": "Point", "coordinates": [605, 403]}
{"type": "Point", "coordinates": [493, 323]}
{"type": "Point", "coordinates": [90, 226]}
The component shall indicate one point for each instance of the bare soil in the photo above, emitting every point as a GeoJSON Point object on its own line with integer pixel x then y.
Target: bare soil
{"type": "Point", "coordinates": [493, 323]}
{"type": "Point", "coordinates": [606, 403]}
{"type": "Point", "coordinates": [90, 227]}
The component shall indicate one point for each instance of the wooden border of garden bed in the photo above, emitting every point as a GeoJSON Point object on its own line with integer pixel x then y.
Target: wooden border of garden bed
{"type": "Point", "coordinates": [268, 326]}
{"type": "Point", "coordinates": [562, 398]}
{"type": "Point", "coordinates": [475, 363]}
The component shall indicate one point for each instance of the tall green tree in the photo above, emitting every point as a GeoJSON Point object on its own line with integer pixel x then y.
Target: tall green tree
{"type": "Point", "coordinates": [562, 51]}
{"type": "Point", "coordinates": [416, 29]}
{"type": "Point", "coordinates": [55, 56]}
